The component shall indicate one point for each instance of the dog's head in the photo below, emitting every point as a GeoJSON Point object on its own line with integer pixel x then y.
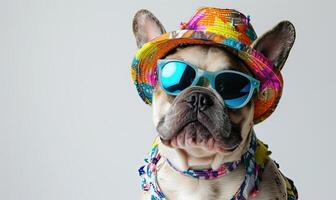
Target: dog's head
{"type": "Point", "coordinates": [196, 128]}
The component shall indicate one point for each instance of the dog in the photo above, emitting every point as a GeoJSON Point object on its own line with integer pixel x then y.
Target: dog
{"type": "Point", "coordinates": [199, 132]}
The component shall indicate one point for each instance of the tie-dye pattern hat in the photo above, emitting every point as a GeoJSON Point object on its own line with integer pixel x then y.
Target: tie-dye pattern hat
{"type": "Point", "coordinates": [212, 26]}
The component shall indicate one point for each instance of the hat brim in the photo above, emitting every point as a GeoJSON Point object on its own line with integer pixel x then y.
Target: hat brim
{"type": "Point", "coordinates": [144, 66]}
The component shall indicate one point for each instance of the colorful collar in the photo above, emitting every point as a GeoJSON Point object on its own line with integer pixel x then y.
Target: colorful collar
{"type": "Point", "coordinates": [254, 160]}
{"type": "Point", "coordinates": [208, 174]}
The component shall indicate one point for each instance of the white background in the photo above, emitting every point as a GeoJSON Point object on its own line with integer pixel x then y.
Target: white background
{"type": "Point", "coordinates": [72, 126]}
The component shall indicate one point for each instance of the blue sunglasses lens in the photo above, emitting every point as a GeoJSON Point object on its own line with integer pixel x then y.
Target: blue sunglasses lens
{"type": "Point", "coordinates": [234, 88]}
{"type": "Point", "coordinates": [176, 76]}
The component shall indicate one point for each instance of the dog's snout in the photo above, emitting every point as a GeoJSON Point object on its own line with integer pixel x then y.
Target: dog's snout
{"type": "Point", "coordinates": [199, 100]}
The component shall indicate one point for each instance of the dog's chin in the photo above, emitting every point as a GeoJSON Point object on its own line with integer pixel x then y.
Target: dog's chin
{"type": "Point", "coordinates": [197, 148]}
{"type": "Point", "coordinates": [196, 138]}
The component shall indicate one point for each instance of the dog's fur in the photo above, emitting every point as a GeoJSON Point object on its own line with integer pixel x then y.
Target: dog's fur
{"type": "Point", "coordinates": [213, 134]}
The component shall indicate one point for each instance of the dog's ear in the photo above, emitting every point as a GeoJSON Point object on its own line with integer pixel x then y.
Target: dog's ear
{"type": "Point", "coordinates": [146, 27]}
{"type": "Point", "coordinates": [277, 43]}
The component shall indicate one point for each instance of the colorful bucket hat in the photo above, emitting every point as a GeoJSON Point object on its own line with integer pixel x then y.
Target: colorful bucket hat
{"type": "Point", "coordinates": [212, 26]}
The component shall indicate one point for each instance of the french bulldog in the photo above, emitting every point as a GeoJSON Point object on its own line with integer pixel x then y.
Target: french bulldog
{"type": "Point", "coordinates": [196, 129]}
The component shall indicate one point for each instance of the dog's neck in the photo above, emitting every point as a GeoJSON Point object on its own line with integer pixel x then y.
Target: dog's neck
{"type": "Point", "coordinates": [250, 171]}
{"type": "Point", "coordinates": [179, 159]}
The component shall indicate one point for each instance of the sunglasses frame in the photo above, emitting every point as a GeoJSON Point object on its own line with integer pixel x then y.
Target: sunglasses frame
{"type": "Point", "coordinates": [211, 76]}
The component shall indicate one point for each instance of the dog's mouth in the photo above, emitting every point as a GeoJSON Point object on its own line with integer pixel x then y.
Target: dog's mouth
{"type": "Point", "coordinates": [190, 123]}
{"type": "Point", "coordinates": [196, 135]}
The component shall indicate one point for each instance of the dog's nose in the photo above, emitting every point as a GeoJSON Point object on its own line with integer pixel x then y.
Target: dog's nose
{"type": "Point", "coordinates": [199, 100]}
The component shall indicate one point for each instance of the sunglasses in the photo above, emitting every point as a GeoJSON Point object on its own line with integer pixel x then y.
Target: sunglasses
{"type": "Point", "coordinates": [236, 88]}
